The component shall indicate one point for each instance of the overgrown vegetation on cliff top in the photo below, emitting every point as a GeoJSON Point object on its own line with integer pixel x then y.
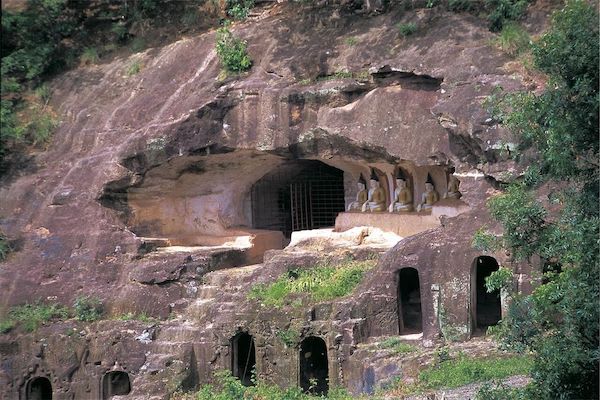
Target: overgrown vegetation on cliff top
{"type": "Point", "coordinates": [323, 282]}
{"type": "Point", "coordinates": [557, 133]}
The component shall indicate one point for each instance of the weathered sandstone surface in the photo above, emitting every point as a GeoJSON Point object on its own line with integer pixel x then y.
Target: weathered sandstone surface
{"type": "Point", "coordinates": [169, 156]}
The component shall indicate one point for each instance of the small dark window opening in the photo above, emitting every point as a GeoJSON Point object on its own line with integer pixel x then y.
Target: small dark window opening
{"type": "Point", "coordinates": [243, 358]}
{"type": "Point", "coordinates": [39, 388]}
{"type": "Point", "coordinates": [410, 315]}
{"type": "Point", "coordinates": [487, 310]}
{"type": "Point", "coordinates": [115, 383]}
{"type": "Point", "coordinates": [314, 369]}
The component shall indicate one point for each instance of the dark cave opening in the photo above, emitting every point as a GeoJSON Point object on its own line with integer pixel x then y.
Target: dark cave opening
{"type": "Point", "coordinates": [314, 369]}
{"type": "Point", "coordinates": [410, 315]}
{"type": "Point", "coordinates": [115, 383]}
{"type": "Point", "coordinates": [486, 307]}
{"type": "Point", "coordinates": [243, 358]}
{"type": "Point", "coordinates": [39, 388]}
{"type": "Point", "coordinates": [298, 195]}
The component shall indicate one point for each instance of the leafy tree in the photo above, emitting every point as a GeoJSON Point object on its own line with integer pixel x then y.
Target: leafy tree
{"type": "Point", "coordinates": [232, 51]}
{"type": "Point", "coordinates": [558, 131]}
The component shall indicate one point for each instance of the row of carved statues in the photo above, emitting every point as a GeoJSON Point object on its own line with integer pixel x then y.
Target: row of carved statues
{"type": "Point", "coordinates": [374, 199]}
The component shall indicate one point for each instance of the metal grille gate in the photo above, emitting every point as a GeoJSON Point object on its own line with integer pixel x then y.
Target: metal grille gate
{"type": "Point", "coordinates": [302, 195]}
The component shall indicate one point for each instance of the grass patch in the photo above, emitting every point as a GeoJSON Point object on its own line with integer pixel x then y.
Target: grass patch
{"type": "Point", "coordinates": [31, 316]}
{"type": "Point", "coordinates": [87, 309]}
{"type": "Point", "coordinates": [227, 387]}
{"type": "Point", "coordinates": [134, 68]}
{"type": "Point", "coordinates": [89, 56]}
{"type": "Point", "coordinates": [406, 29]}
{"type": "Point", "coordinates": [351, 41]}
{"type": "Point", "coordinates": [142, 317]}
{"type": "Point", "coordinates": [397, 346]}
{"type": "Point", "coordinates": [323, 282]}
{"type": "Point", "coordinates": [4, 247]}
{"type": "Point", "coordinates": [513, 39]}
{"type": "Point", "coordinates": [465, 370]}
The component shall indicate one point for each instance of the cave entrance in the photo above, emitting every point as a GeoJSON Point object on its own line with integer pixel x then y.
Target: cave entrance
{"type": "Point", "coordinates": [243, 358]}
{"type": "Point", "coordinates": [115, 383]}
{"type": "Point", "coordinates": [39, 388]}
{"type": "Point", "coordinates": [298, 195]}
{"type": "Point", "coordinates": [486, 307]}
{"type": "Point", "coordinates": [314, 369]}
{"type": "Point", "coordinates": [410, 314]}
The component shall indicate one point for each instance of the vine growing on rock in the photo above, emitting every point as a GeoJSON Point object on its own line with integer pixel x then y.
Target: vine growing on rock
{"type": "Point", "coordinates": [557, 132]}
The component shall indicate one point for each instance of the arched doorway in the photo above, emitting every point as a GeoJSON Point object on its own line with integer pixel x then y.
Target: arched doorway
{"type": "Point", "coordinates": [243, 358]}
{"type": "Point", "coordinates": [410, 314]}
{"type": "Point", "coordinates": [39, 388]}
{"type": "Point", "coordinates": [298, 195]}
{"type": "Point", "coordinates": [115, 383]}
{"type": "Point", "coordinates": [314, 368]}
{"type": "Point", "coordinates": [486, 307]}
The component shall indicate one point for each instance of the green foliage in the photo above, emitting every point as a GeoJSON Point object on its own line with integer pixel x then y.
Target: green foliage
{"type": "Point", "coordinates": [406, 29]}
{"type": "Point", "coordinates": [134, 68]}
{"type": "Point", "coordinates": [87, 308]}
{"type": "Point", "coordinates": [559, 130]}
{"type": "Point", "coordinates": [500, 391]}
{"type": "Point", "coordinates": [31, 316]}
{"type": "Point", "coordinates": [120, 30]}
{"type": "Point", "coordinates": [230, 388]}
{"type": "Point", "coordinates": [513, 39]}
{"type": "Point", "coordinates": [462, 5]}
{"type": "Point", "coordinates": [289, 337]}
{"type": "Point", "coordinates": [239, 9]}
{"type": "Point", "coordinates": [137, 44]}
{"type": "Point", "coordinates": [351, 41]}
{"type": "Point", "coordinates": [89, 56]}
{"type": "Point", "coordinates": [4, 247]}
{"type": "Point", "coordinates": [6, 325]}
{"type": "Point", "coordinates": [142, 317]}
{"type": "Point", "coordinates": [500, 279]}
{"type": "Point", "coordinates": [397, 345]}
{"type": "Point", "coordinates": [485, 241]}
{"type": "Point", "coordinates": [232, 51]}
{"type": "Point", "coordinates": [501, 11]}
{"type": "Point", "coordinates": [323, 282]}
{"type": "Point", "coordinates": [465, 370]}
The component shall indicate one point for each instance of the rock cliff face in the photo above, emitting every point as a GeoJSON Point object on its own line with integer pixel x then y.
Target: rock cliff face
{"type": "Point", "coordinates": [173, 152]}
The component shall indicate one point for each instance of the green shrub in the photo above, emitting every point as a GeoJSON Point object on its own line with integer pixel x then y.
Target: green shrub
{"type": "Point", "coordinates": [31, 316]}
{"type": "Point", "coordinates": [397, 345]}
{"type": "Point", "coordinates": [239, 9]}
{"type": "Point", "coordinates": [137, 44]}
{"type": "Point", "coordinates": [513, 39]}
{"type": "Point", "coordinates": [501, 11]}
{"type": "Point", "coordinates": [500, 279]}
{"type": "Point", "coordinates": [89, 56]}
{"type": "Point", "coordinates": [87, 308]}
{"type": "Point", "coordinates": [323, 282]}
{"type": "Point", "coordinates": [232, 51]}
{"type": "Point", "coordinates": [500, 391]}
{"type": "Point", "coordinates": [289, 337]}
{"type": "Point", "coordinates": [462, 5]}
{"type": "Point", "coordinates": [134, 68]}
{"type": "Point", "coordinates": [120, 30]}
{"type": "Point", "coordinates": [6, 325]}
{"type": "Point", "coordinates": [465, 370]}
{"type": "Point", "coordinates": [4, 247]}
{"type": "Point", "coordinates": [406, 29]}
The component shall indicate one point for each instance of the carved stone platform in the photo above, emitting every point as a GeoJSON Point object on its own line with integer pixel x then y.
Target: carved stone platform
{"type": "Point", "coordinates": [402, 224]}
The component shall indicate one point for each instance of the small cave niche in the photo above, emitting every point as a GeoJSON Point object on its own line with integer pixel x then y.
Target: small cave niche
{"type": "Point", "coordinates": [410, 314]}
{"type": "Point", "coordinates": [39, 388]}
{"type": "Point", "coordinates": [486, 307]}
{"type": "Point", "coordinates": [298, 195]}
{"type": "Point", "coordinates": [243, 358]}
{"type": "Point", "coordinates": [115, 383]}
{"type": "Point", "coordinates": [314, 368]}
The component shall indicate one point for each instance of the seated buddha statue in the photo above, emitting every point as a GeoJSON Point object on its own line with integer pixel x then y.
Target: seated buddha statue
{"type": "Point", "coordinates": [376, 197]}
{"type": "Point", "coordinates": [453, 184]}
{"type": "Point", "coordinates": [361, 196]}
{"type": "Point", "coordinates": [402, 200]}
{"type": "Point", "coordinates": [429, 197]}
